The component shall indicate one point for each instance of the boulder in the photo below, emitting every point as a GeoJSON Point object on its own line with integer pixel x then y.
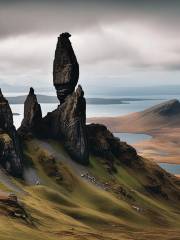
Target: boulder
{"type": "Point", "coordinates": [10, 149]}
{"type": "Point", "coordinates": [65, 68]}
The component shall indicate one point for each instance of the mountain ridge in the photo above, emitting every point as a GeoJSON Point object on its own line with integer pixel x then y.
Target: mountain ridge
{"type": "Point", "coordinates": [166, 109]}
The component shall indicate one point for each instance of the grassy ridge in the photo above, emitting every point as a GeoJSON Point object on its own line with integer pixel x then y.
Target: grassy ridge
{"type": "Point", "coordinates": [70, 206]}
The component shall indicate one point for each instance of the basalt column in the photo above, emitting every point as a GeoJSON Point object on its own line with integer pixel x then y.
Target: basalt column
{"type": "Point", "coordinates": [68, 121]}
{"type": "Point", "coordinates": [10, 149]}
{"type": "Point", "coordinates": [65, 68]}
{"type": "Point", "coordinates": [32, 115]}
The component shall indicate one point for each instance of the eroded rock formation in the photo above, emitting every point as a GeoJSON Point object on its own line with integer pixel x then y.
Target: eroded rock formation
{"type": "Point", "coordinates": [65, 68]}
{"type": "Point", "coordinates": [32, 114]}
{"type": "Point", "coordinates": [102, 143]}
{"type": "Point", "coordinates": [68, 123]}
{"type": "Point", "coordinates": [10, 151]}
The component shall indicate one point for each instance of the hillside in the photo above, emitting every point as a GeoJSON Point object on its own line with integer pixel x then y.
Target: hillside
{"type": "Point", "coordinates": [164, 115]}
{"type": "Point", "coordinates": [81, 202]}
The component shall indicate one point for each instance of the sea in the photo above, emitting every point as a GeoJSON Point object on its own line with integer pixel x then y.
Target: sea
{"type": "Point", "coordinates": [99, 110]}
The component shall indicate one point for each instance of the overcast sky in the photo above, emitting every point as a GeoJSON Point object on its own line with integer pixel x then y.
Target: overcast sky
{"type": "Point", "coordinates": [117, 43]}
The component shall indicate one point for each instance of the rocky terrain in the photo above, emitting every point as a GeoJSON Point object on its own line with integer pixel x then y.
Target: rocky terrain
{"type": "Point", "coordinates": [161, 121]}
{"type": "Point", "coordinates": [86, 183]}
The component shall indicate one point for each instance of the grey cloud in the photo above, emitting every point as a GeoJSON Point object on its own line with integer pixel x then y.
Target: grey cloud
{"type": "Point", "coordinates": [20, 17]}
{"type": "Point", "coordinates": [85, 19]}
{"type": "Point", "coordinates": [160, 66]}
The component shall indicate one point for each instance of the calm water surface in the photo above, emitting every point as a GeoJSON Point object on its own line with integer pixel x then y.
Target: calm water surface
{"type": "Point", "coordinates": [132, 138]}
{"type": "Point", "coordinates": [172, 168]}
{"type": "Point", "coordinates": [91, 110]}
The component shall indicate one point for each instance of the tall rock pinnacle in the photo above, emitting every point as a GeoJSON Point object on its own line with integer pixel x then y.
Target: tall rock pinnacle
{"type": "Point", "coordinates": [6, 117]}
{"type": "Point", "coordinates": [65, 68]}
{"type": "Point", "coordinates": [68, 122]}
{"type": "Point", "coordinates": [10, 149]}
{"type": "Point", "coordinates": [32, 114]}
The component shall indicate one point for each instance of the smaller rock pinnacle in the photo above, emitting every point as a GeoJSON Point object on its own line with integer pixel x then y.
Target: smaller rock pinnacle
{"type": "Point", "coordinates": [31, 91]}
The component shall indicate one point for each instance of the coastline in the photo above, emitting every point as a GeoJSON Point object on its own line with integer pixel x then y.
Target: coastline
{"type": "Point", "coordinates": [163, 147]}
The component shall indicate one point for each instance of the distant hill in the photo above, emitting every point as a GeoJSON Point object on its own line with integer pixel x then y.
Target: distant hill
{"type": "Point", "coordinates": [166, 109]}
{"type": "Point", "coordinates": [41, 99]}
{"type": "Point", "coordinates": [166, 114]}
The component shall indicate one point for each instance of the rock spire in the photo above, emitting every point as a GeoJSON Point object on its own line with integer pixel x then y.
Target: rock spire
{"type": "Point", "coordinates": [32, 114]}
{"type": "Point", "coordinates": [10, 150]}
{"type": "Point", "coordinates": [65, 68]}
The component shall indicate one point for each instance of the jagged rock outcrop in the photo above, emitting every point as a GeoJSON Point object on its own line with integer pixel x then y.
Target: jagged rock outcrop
{"type": "Point", "coordinates": [67, 123]}
{"type": "Point", "coordinates": [10, 151]}
{"type": "Point", "coordinates": [32, 115]}
{"type": "Point", "coordinates": [65, 68]}
{"type": "Point", "coordinates": [6, 117]}
{"type": "Point", "coordinates": [102, 143]}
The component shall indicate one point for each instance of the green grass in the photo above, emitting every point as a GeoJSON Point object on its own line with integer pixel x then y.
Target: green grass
{"type": "Point", "coordinates": [76, 209]}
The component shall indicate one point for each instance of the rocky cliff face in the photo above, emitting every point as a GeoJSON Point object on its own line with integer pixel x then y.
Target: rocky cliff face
{"type": "Point", "coordinates": [32, 114]}
{"type": "Point", "coordinates": [65, 68]}
{"type": "Point", "coordinates": [67, 123]}
{"type": "Point", "coordinates": [102, 143]}
{"type": "Point", "coordinates": [6, 117]}
{"type": "Point", "coordinates": [10, 151]}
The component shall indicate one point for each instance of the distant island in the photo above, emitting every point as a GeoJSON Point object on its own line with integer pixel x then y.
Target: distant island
{"type": "Point", "coordinates": [93, 101]}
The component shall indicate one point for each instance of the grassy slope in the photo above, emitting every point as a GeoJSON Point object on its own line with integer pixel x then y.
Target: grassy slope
{"type": "Point", "coordinates": [73, 208]}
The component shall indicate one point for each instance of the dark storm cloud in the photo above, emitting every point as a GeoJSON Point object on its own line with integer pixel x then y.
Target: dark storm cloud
{"type": "Point", "coordinates": [17, 17]}
{"type": "Point", "coordinates": [109, 36]}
